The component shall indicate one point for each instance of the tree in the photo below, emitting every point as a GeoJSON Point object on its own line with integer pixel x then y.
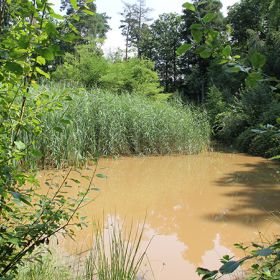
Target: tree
{"type": "Point", "coordinates": [160, 44]}
{"type": "Point", "coordinates": [90, 25]}
{"type": "Point", "coordinates": [198, 58]}
{"type": "Point", "coordinates": [135, 17]}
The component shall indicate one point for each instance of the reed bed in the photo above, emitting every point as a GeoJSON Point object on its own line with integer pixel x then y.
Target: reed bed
{"type": "Point", "coordinates": [99, 123]}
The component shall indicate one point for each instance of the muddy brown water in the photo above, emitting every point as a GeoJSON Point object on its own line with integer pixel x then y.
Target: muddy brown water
{"type": "Point", "coordinates": [196, 206]}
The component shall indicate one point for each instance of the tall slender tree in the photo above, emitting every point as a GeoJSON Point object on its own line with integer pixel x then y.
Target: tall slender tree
{"type": "Point", "coordinates": [161, 44]}
{"type": "Point", "coordinates": [134, 20]}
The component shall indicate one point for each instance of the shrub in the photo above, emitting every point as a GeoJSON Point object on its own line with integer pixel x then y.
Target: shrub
{"type": "Point", "coordinates": [133, 75]}
{"type": "Point", "coordinates": [85, 67]}
{"type": "Point", "coordinates": [215, 105]}
{"type": "Point", "coordinates": [254, 102]}
{"type": "Point", "coordinates": [244, 140]}
{"type": "Point", "coordinates": [230, 124]}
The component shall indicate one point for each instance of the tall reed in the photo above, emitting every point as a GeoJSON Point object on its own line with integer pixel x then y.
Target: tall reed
{"type": "Point", "coordinates": [101, 123]}
{"type": "Point", "coordinates": [116, 254]}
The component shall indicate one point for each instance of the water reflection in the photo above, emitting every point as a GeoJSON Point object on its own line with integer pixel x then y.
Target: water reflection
{"type": "Point", "coordinates": [197, 206]}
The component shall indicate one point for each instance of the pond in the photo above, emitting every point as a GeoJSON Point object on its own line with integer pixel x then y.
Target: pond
{"type": "Point", "coordinates": [196, 206]}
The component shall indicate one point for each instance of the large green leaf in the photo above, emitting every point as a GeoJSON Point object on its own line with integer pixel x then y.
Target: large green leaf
{"type": "Point", "coordinates": [209, 17]}
{"type": "Point", "coordinates": [226, 51]}
{"type": "Point", "coordinates": [43, 73]}
{"type": "Point", "coordinates": [183, 49]}
{"type": "Point", "coordinates": [189, 6]}
{"type": "Point", "coordinates": [14, 67]}
{"type": "Point", "coordinates": [257, 59]}
{"type": "Point", "coordinates": [74, 4]}
{"type": "Point", "coordinates": [197, 35]}
{"type": "Point", "coordinates": [206, 53]}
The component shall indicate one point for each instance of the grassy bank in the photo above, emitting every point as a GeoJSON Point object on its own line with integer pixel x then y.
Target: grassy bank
{"type": "Point", "coordinates": [98, 123]}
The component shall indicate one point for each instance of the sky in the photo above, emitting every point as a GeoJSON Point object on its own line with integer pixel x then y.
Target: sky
{"type": "Point", "coordinates": [113, 9]}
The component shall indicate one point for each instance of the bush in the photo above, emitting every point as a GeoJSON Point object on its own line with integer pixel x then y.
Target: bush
{"type": "Point", "coordinates": [244, 140]}
{"type": "Point", "coordinates": [230, 124]}
{"type": "Point", "coordinates": [85, 67]}
{"type": "Point", "coordinates": [254, 102]}
{"type": "Point", "coordinates": [215, 105]}
{"type": "Point", "coordinates": [133, 75]}
{"type": "Point", "coordinates": [261, 141]}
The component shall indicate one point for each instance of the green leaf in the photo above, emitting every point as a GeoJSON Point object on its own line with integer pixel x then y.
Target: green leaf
{"type": "Point", "coordinates": [74, 4]}
{"type": "Point", "coordinates": [41, 72]}
{"type": "Point", "coordinates": [257, 60]}
{"type": "Point", "coordinates": [189, 7]}
{"type": "Point", "coordinates": [20, 145]}
{"type": "Point", "coordinates": [226, 51]}
{"type": "Point", "coordinates": [41, 60]}
{"type": "Point", "coordinates": [267, 272]}
{"type": "Point", "coordinates": [202, 271]}
{"type": "Point", "coordinates": [48, 53]}
{"type": "Point", "coordinates": [197, 35]}
{"type": "Point", "coordinates": [58, 129]}
{"type": "Point", "coordinates": [229, 267]}
{"type": "Point", "coordinates": [209, 17]}
{"type": "Point", "coordinates": [56, 16]}
{"type": "Point", "coordinates": [206, 53]}
{"type": "Point", "coordinates": [253, 79]}
{"type": "Point", "coordinates": [235, 68]}
{"type": "Point", "coordinates": [14, 67]}
{"type": "Point", "coordinates": [196, 26]}
{"type": "Point", "coordinates": [183, 49]}
{"type": "Point", "coordinates": [88, 12]}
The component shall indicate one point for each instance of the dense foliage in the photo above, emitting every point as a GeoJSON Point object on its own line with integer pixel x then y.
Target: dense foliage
{"type": "Point", "coordinates": [230, 64]}
{"type": "Point", "coordinates": [27, 218]}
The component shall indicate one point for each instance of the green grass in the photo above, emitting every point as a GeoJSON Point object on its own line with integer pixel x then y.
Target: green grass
{"type": "Point", "coordinates": [116, 255]}
{"type": "Point", "coordinates": [50, 267]}
{"type": "Point", "coordinates": [99, 123]}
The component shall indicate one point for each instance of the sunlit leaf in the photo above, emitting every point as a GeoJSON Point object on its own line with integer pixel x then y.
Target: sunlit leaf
{"type": "Point", "coordinates": [20, 145]}
{"type": "Point", "coordinates": [209, 17]}
{"type": "Point", "coordinates": [41, 60]}
{"type": "Point", "coordinates": [183, 49]}
{"type": "Point", "coordinates": [88, 12]}
{"type": "Point", "coordinates": [74, 4]}
{"type": "Point", "coordinates": [189, 7]}
{"type": "Point", "coordinates": [41, 72]}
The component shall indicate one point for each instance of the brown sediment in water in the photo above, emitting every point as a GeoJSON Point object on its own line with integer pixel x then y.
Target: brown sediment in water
{"type": "Point", "coordinates": [197, 206]}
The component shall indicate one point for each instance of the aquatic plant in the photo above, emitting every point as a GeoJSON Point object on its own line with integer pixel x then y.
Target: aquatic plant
{"type": "Point", "coordinates": [98, 123]}
{"type": "Point", "coordinates": [116, 254]}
